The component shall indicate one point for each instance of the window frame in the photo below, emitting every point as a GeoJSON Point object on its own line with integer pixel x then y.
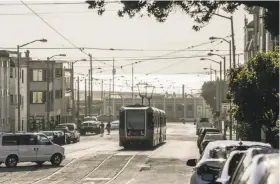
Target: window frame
{"type": "Point", "coordinates": [43, 97]}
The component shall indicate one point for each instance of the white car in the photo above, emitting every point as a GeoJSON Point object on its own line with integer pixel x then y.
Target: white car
{"type": "Point", "coordinates": [115, 125]}
{"type": "Point", "coordinates": [229, 167]}
{"type": "Point", "coordinates": [263, 169]}
{"type": "Point", "coordinates": [205, 171]}
{"type": "Point", "coordinates": [247, 160]}
{"type": "Point", "coordinates": [29, 147]}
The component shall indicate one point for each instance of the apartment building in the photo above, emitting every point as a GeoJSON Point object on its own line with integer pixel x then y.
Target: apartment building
{"type": "Point", "coordinates": [9, 92]}
{"type": "Point", "coordinates": [46, 81]}
{"type": "Point", "coordinates": [256, 37]}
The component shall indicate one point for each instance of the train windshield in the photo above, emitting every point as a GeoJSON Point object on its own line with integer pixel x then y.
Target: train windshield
{"type": "Point", "coordinates": [135, 119]}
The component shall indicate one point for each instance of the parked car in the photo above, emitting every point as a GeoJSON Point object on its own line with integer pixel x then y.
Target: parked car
{"type": "Point", "coordinates": [73, 130]}
{"type": "Point", "coordinates": [229, 167]}
{"type": "Point", "coordinates": [115, 125]}
{"type": "Point", "coordinates": [66, 135]}
{"type": "Point", "coordinates": [90, 118]}
{"type": "Point", "coordinates": [29, 147]}
{"type": "Point", "coordinates": [203, 132]}
{"type": "Point", "coordinates": [246, 162]}
{"type": "Point", "coordinates": [206, 171]}
{"type": "Point", "coordinates": [209, 137]}
{"type": "Point", "coordinates": [90, 126]}
{"type": "Point", "coordinates": [263, 169]}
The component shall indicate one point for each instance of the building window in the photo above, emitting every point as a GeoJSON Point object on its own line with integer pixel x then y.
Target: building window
{"type": "Point", "coordinates": [37, 97]}
{"type": "Point", "coordinates": [11, 99]}
{"type": "Point", "coordinates": [58, 72]}
{"type": "Point", "coordinates": [11, 72]}
{"type": "Point", "coordinates": [190, 107]}
{"type": "Point", "coordinates": [58, 94]}
{"type": "Point", "coordinates": [39, 75]}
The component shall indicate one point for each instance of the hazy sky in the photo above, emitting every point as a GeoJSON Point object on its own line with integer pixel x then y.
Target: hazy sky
{"type": "Point", "coordinates": [85, 28]}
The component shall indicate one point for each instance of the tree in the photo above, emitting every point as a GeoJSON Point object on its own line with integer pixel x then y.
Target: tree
{"type": "Point", "coordinates": [254, 91]}
{"type": "Point", "coordinates": [209, 94]}
{"type": "Point", "coordinates": [201, 11]}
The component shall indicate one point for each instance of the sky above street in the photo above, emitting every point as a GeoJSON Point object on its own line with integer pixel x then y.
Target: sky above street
{"type": "Point", "coordinates": [84, 28]}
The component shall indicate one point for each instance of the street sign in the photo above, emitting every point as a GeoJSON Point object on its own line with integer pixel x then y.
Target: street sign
{"type": "Point", "coordinates": [225, 111]}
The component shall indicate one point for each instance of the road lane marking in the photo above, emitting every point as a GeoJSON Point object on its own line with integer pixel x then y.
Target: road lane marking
{"type": "Point", "coordinates": [54, 173]}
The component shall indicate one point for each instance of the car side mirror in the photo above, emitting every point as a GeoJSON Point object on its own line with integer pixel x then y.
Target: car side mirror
{"type": "Point", "coordinates": [207, 177]}
{"type": "Point", "coordinates": [191, 162]}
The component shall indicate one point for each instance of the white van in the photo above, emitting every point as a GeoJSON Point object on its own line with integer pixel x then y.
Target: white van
{"type": "Point", "coordinates": [29, 147]}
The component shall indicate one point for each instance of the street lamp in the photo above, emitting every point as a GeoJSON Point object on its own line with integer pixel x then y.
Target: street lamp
{"type": "Point", "coordinates": [18, 77]}
{"type": "Point", "coordinates": [219, 102]}
{"type": "Point", "coordinates": [232, 36]}
{"type": "Point", "coordinates": [48, 83]}
{"type": "Point", "coordinates": [211, 70]}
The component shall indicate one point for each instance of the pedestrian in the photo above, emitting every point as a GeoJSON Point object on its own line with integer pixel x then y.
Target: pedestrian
{"type": "Point", "coordinates": [101, 129]}
{"type": "Point", "coordinates": [108, 127]}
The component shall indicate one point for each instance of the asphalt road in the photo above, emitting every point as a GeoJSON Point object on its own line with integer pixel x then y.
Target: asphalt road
{"type": "Point", "coordinates": [99, 160]}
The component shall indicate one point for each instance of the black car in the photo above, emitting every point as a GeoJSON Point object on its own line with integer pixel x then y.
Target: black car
{"type": "Point", "coordinates": [72, 129]}
{"type": "Point", "coordinates": [65, 138]}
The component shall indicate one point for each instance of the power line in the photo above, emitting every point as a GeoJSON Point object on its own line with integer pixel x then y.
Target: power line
{"type": "Point", "coordinates": [80, 49]}
{"type": "Point", "coordinates": [179, 61]}
{"type": "Point", "coordinates": [112, 49]}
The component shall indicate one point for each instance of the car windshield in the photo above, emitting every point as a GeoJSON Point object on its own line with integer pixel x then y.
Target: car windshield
{"type": "Point", "coordinates": [213, 137]}
{"type": "Point", "coordinates": [47, 133]}
{"type": "Point", "coordinates": [70, 127]}
{"type": "Point", "coordinates": [135, 119]}
{"type": "Point", "coordinates": [210, 167]}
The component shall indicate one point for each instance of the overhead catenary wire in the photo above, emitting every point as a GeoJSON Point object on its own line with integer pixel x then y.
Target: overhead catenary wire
{"type": "Point", "coordinates": [160, 69]}
{"type": "Point", "coordinates": [60, 34]}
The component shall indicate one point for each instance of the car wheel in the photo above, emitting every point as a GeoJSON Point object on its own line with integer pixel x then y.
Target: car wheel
{"type": "Point", "coordinates": [68, 141]}
{"type": "Point", "coordinates": [56, 159]}
{"type": "Point", "coordinates": [11, 161]}
{"type": "Point", "coordinates": [40, 163]}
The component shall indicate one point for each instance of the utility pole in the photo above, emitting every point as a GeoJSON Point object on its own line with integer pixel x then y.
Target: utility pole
{"type": "Point", "coordinates": [224, 82]}
{"type": "Point", "coordinates": [110, 99]}
{"type": "Point", "coordinates": [210, 72]}
{"type": "Point", "coordinates": [233, 42]}
{"type": "Point", "coordinates": [78, 98]}
{"type": "Point", "coordinates": [18, 89]}
{"type": "Point", "coordinates": [132, 84]}
{"type": "Point", "coordinates": [184, 100]}
{"type": "Point", "coordinates": [48, 89]}
{"type": "Point", "coordinates": [114, 72]}
{"type": "Point", "coordinates": [85, 97]}
{"type": "Point", "coordinates": [73, 94]}
{"type": "Point", "coordinates": [101, 97]}
{"type": "Point", "coordinates": [88, 97]}
{"type": "Point", "coordinates": [28, 88]}
{"type": "Point", "coordinates": [90, 107]}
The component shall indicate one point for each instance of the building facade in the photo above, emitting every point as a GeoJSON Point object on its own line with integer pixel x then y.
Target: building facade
{"type": "Point", "coordinates": [175, 107]}
{"type": "Point", "coordinates": [46, 82]}
{"type": "Point", "coordinates": [256, 37]}
{"type": "Point", "coordinates": [9, 92]}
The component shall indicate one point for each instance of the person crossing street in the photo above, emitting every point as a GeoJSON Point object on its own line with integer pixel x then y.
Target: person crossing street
{"type": "Point", "coordinates": [108, 127]}
{"type": "Point", "coordinates": [102, 129]}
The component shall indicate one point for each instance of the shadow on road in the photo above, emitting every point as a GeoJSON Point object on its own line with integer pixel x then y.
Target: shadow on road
{"type": "Point", "coordinates": [141, 147]}
{"type": "Point", "coordinates": [27, 168]}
